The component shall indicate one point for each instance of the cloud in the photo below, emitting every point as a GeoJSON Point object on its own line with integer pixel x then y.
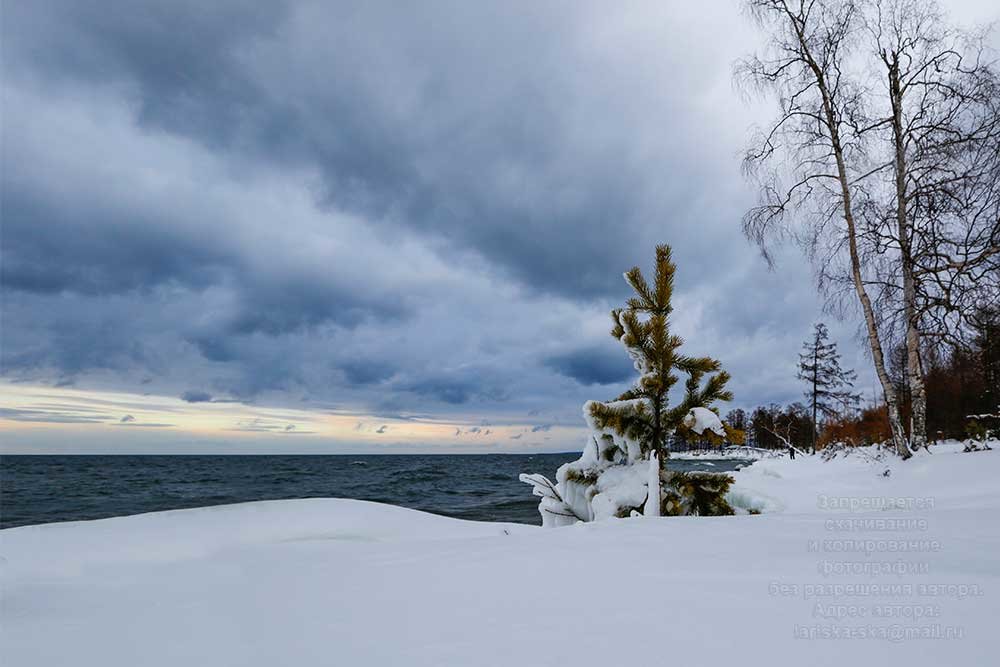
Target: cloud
{"type": "Point", "coordinates": [541, 428]}
{"type": "Point", "coordinates": [196, 396]}
{"type": "Point", "coordinates": [365, 372]}
{"type": "Point", "coordinates": [594, 365]}
{"type": "Point", "coordinates": [50, 417]}
{"type": "Point", "coordinates": [145, 424]}
{"type": "Point", "coordinates": [510, 173]}
{"type": "Point", "coordinates": [265, 425]}
{"type": "Point", "coordinates": [72, 412]}
{"type": "Point", "coordinates": [263, 202]}
{"type": "Point", "coordinates": [454, 388]}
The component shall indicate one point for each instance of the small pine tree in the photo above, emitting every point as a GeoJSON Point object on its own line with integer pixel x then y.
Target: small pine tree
{"type": "Point", "coordinates": [829, 386]}
{"type": "Point", "coordinates": [622, 469]}
{"type": "Point", "coordinates": [642, 415]}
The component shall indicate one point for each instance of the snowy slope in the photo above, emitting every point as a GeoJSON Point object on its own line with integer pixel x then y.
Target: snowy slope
{"type": "Point", "coordinates": [339, 582]}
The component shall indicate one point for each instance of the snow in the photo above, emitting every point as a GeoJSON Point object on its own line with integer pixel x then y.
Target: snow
{"type": "Point", "coordinates": [556, 510]}
{"type": "Point", "coordinates": [652, 506]}
{"type": "Point", "coordinates": [341, 582]}
{"type": "Point", "coordinates": [617, 487]}
{"type": "Point", "coordinates": [630, 446]}
{"type": "Point", "coordinates": [730, 453]}
{"type": "Point", "coordinates": [700, 420]}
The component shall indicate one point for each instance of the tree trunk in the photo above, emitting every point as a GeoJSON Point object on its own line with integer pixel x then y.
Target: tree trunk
{"type": "Point", "coordinates": [659, 446]}
{"type": "Point", "coordinates": [914, 368]}
{"type": "Point", "coordinates": [878, 358]}
{"type": "Point", "coordinates": [652, 506]}
{"type": "Point", "coordinates": [815, 397]}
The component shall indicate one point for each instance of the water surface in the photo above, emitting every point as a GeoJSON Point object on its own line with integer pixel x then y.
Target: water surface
{"type": "Point", "coordinates": [43, 489]}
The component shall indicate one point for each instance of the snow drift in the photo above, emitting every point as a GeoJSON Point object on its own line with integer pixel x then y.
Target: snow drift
{"type": "Point", "coordinates": [344, 582]}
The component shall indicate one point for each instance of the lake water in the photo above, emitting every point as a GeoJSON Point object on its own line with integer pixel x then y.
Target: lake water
{"type": "Point", "coordinates": [43, 489]}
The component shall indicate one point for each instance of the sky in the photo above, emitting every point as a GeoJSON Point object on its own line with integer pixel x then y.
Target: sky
{"type": "Point", "coordinates": [325, 227]}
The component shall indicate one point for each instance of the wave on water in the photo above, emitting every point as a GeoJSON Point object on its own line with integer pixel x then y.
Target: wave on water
{"type": "Point", "coordinates": [43, 489]}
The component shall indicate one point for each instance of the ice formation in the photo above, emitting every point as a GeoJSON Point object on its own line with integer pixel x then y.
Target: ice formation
{"type": "Point", "coordinates": [612, 478]}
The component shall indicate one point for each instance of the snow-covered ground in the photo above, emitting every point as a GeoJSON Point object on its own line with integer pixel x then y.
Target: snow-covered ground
{"type": "Point", "coordinates": [341, 582]}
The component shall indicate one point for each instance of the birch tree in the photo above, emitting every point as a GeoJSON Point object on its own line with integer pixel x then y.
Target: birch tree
{"type": "Point", "coordinates": [940, 129]}
{"type": "Point", "coordinates": [811, 164]}
{"type": "Point", "coordinates": [889, 136]}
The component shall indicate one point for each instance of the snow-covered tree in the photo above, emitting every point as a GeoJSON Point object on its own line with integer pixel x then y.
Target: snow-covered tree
{"type": "Point", "coordinates": [829, 386]}
{"type": "Point", "coordinates": [626, 454]}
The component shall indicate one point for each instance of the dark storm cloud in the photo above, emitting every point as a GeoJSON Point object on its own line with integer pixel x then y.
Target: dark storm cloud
{"type": "Point", "coordinates": [214, 346]}
{"type": "Point", "coordinates": [474, 149]}
{"type": "Point", "coordinates": [366, 371]}
{"type": "Point", "coordinates": [454, 390]}
{"type": "Point", "coordinates": [94, 249]}
{"type": "Point", "coordinates": [406, 208]}
{"type": "Point", "coordinates": [183, 56]}
{"type": "Point", "coordinates": [285, 304]}
{"type": "Point", "coordinates": [100, 248]}
{"type": "Point", "coordinates": [593, 365]}
{"type": "Point", "coordinates": [73, 339]}
{"type": "Point", "coordinates": [92, 269]}
{"type": "Point", "coordinates": [196, 396]}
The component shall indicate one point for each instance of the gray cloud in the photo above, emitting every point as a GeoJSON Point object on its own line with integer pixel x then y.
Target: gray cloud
{"type": "Point", "coordinates": [196, 396]}
{"type": "Point", "coordinates": [510, 172]}
{"type": "Point", "coordinates": [454, 390]}
{"type": "Point", "coordinates": [262, 425]}
{"type": "Point", "coordinates": [50, 417]}
{"type": "Point", "coordinates": [417, 209]}
{"type": "Point", "coordinates": [365, 372]}
{"type": "Point", "coordinates": [594, 365]}
{"type": "Point", "coordinates": [145, 424]}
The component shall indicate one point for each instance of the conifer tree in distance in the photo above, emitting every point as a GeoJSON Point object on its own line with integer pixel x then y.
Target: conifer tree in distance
{"type": "Point", "coordinates": [829, 386]}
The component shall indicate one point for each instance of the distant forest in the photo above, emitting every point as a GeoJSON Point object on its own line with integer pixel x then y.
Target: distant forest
{"type": "Point", "coordinates": [963, 390]}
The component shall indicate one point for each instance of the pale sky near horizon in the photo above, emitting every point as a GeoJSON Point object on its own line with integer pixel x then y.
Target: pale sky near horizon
{"type": "Point", "coordinates": [357, 227]}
